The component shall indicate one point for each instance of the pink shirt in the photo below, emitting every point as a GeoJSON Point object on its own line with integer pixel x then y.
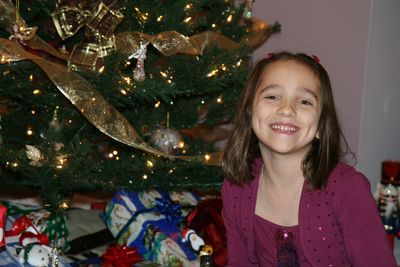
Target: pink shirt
{"type": "Point", "coordinates": [265, 242]}
{"type": "Point", "coordinates": [338, 225]}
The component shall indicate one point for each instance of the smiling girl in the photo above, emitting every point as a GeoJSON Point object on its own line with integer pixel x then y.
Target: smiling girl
{"type": "Point", "coordinates": [287, 199]}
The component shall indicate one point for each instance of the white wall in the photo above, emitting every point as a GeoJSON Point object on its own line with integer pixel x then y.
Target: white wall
{"type": "Point", "coordinates": [380, 121]}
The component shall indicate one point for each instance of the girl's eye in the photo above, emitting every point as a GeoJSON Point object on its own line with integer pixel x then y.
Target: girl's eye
{"type": "Point", "coordinates": [271, 97]}
{"type": "Point", "coordinates": [305, 102]}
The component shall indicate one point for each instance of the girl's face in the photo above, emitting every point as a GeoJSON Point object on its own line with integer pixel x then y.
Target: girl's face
{"type": "Point", "coordinates": [286, 109]}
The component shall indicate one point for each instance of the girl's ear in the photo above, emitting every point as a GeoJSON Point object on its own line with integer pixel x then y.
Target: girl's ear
{"type": "Point", "coordinates": [317, 135]}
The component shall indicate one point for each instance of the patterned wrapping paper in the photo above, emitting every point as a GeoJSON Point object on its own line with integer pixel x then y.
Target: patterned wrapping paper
{"type": "Point", "coordinates": [3, 211]}
{"type": "Point", "coordinates": [51, 224]}
{"type": "Point", "coordinates": [9, 254]}
{"type": "Point", "coordinates": [150, 221]}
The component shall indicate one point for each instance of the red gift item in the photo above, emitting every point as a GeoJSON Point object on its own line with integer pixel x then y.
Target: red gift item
{"type": "Point", "coordinates": [120, 256]}
{"type": "Point", "coordinates": [207, 221]}
{"type": "Point", "coordinates": [20, 225]}
{"type": "Point", "coordinates": [3, 211]}
{"type": "Point", "coordinates": [29, 237]}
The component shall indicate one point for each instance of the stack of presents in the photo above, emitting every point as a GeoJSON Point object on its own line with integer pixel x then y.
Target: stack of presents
{"type": "Point", "coordinates": [150, 228]}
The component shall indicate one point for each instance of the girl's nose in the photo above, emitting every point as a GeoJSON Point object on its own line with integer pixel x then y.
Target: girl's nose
{"type": "Point", "coordinates": [287, 109]}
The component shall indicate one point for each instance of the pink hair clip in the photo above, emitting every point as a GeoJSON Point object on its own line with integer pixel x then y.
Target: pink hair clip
{"type": "Point", "coordinates": [316, 59]}
{"type": "Point", "coordinates": [269, 55]}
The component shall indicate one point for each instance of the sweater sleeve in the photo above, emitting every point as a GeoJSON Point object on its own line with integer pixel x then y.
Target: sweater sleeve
{"type": "Point", "coordinates": [363, 233]}
{"type": "Point", "coordinates": [236, 247]}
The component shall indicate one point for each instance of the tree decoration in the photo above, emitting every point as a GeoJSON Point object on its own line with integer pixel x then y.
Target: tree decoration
{"type": "Point", "coordinates": [61, 87]}
{"type": "Point", "coordinates": [34, 155]}
{"type": "Point", "coordinates": [90, 102]}
{"type": "Point", "coordinates": [167, 140]}
{"type": "Point", "coordinates": [248, 10]}
{"type": "Point", "coordinates": [138, 73]}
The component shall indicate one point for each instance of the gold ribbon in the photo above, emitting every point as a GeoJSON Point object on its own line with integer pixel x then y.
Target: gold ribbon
{"type": "Point", "coordinates": [100, 22]}
{"type": "Point", "coordinates": [172, 42]}
{"type": "Point", "coordinates": [90, 103]}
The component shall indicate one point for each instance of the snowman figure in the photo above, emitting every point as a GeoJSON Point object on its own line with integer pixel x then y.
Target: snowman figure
{"type": "Point", "coordinates": [34, 253]}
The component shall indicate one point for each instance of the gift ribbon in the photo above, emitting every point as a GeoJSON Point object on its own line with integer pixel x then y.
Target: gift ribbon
{"type": "Point", "coordinates": [120, 256]}
{"type": "Point", "coordinates": [165, 206]}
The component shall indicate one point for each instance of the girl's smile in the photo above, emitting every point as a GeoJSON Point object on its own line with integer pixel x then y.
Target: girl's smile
{"type": "Point", "coordinates": [284, 128]}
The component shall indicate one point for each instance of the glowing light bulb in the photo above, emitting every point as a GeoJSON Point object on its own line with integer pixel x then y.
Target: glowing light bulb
{"type": "Point", "coordinates": [212, 73]}
{"type": "Point", "coordinates": [149, 164]}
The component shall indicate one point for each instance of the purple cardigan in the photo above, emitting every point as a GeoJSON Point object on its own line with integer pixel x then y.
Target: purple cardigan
{"type": "Point", "coordinates": [338, 226]}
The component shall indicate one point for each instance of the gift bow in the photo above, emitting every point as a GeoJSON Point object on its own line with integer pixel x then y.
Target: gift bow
{"type": "Point", "coordinates": [96, 15]}
{"type": "Point", "coordinates": [170, 209]}
{"type": "Point", "coordinates": [120, 256]}
{"type": "Point", "coordinates": [100, 21]}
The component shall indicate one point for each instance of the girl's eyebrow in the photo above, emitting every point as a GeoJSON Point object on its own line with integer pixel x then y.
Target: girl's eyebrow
{"type": "Point", "coordinates": [309, 91]}
{"type": "Point", "coordinates": [269, 87]}
{"type": "Point", "coordinates": [277, 86]}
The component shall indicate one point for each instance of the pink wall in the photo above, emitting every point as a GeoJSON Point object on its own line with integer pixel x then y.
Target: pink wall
{"type": "Point", "coordinates": [335, 31]}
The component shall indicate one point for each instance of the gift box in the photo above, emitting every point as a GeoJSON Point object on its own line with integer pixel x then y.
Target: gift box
{"type": "Point", "coordinates": [52, 225]}
{"type": "Point", "coordinates": [142, 219]}
{"type": "Point", "coordinates": [169, 252]}
{"type": "Point", "coordinates": [3, 211]}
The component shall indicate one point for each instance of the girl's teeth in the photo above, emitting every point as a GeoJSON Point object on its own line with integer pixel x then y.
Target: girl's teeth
{"type": "Point", "coordinates": [284, 128]}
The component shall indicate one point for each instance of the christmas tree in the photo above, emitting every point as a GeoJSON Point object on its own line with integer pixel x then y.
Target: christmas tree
{"type": "Point", "coordinates": [102, 95]}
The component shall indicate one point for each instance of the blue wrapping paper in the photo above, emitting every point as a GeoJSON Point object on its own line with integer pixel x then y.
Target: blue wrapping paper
{"type": "Point", "coordinates": [138, 219]}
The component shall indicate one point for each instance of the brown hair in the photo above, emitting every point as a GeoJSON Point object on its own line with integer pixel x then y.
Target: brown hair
{"type": "Point", "coordinates": [242, 147]}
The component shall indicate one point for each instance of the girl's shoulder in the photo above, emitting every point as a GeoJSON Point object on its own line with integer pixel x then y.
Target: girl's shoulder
{"type": "Point", "coordinates": [345, 177]}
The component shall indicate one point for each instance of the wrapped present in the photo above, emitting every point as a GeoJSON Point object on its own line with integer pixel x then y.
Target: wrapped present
{"type": "Point", "coordinates": [137, 218]}
{"type": "Point", "coordinates": [169, 252]}
{"type": "Point", "coordinates": [2, 225]}
{"type": "Point", "coordinates": [22, 218]}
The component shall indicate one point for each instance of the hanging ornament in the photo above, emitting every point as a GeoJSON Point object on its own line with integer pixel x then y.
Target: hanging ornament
{"type": "Point", "coordinates": [166, 139]}
{"type": "Point", "coordinates": [55, 122]}
{"type": "Point", "coordinates": [20, 31]}
{"type": "Point", "coordinates": [22, 34]}
{"type": "Point", "coordinates": [34, 155]}
{"type": "Point", "coordinates": [248, 10]}
{"type": "Point", "coordinates": [138, 73]}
